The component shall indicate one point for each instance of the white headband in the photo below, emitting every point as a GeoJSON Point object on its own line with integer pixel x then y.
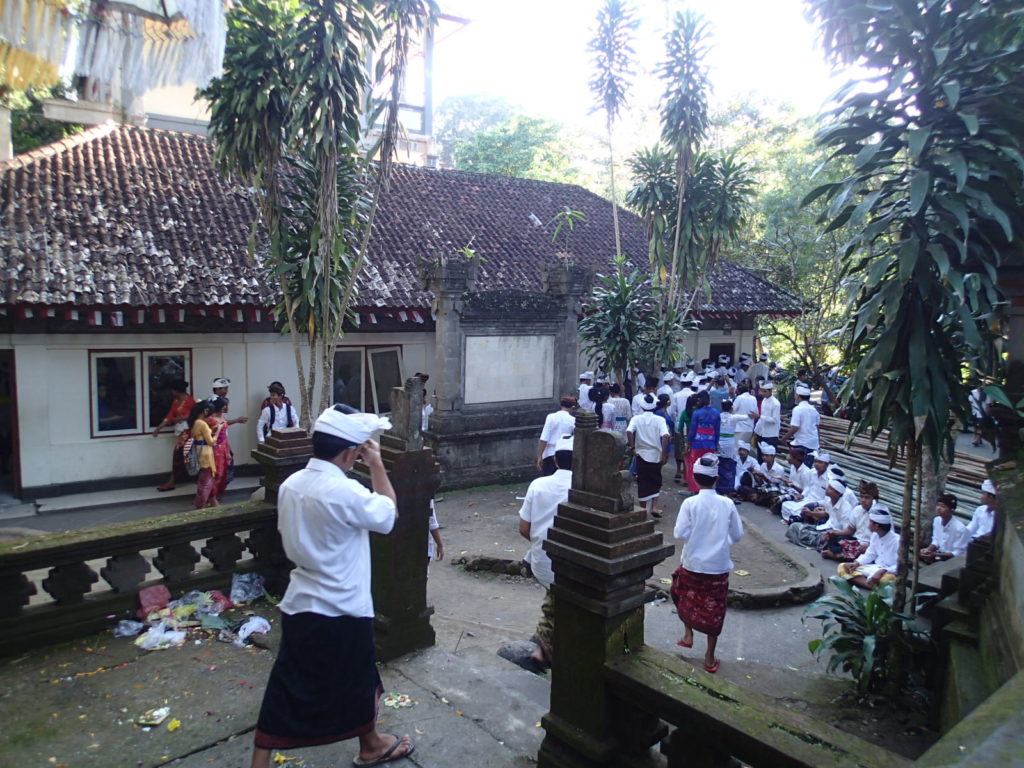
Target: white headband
{"type": "Point", "coordinates": [357, 428]}
{"type": "Point", "coordinates": [768, 450]}
{"type": "Point", "coordinates": [706, 465]}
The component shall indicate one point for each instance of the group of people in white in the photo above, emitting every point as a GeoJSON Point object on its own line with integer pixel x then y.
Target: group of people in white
{"type": "Point", "coordinates": [723, 426]}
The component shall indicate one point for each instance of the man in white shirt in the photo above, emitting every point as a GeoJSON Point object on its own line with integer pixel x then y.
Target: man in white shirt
{"type": "Point", "coordinates": [586, 380]}
{"type": "Point", "coordinates": [279, 414]}
{"type": "Point", "coordinates": [766, 430]}
{"type": "Point", "coordinates": [648, 435]}
{"type": "Point", "coordinates": [984, 517]}
{"type": "Point", "coordinates": [708, 525]}
{"type": "Point", "coordinates": [803, 422]}
{"type": "Point", "coordinates": [881, 560]}
{"type": "Point", "coordinates": [759, 369]}
{"type": "Point", "coordinates": [535, 518]}
{"type": "Point", "coordinates": [650, 388]}
{"type": "Point", "coordinates": [666, 385]}
{"type": "Point", "coordinates": [813, 491]}
{"type": "Point", "coordinates": [831, 515]}
{"type": "Point", "coordinates": [744, 405]}
{"type": "Point", "coordinates": [325, 686]}
{"type": "Point", "coordinates": [949, 535]}
{"type": "Point", "coordinates": [556, 424]}
{"type": "Point", "coordinates": [846, 544]}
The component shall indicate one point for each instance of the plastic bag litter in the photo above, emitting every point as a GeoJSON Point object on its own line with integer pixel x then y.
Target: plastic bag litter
{"type": "Point", "coordinates": [194, 598]}
{"type": "Point", "coordinates": [160, 637]}
{"type": "Point", "coordinates": [128, 628]}
{"type": "Point", "coordinates": [219, 603]}
{"type": "Point", "coordinates": [254, 625]}
{"type": "Point", "coordinates": [211, 621]}
{"type": "Point", "coordinates": [153, 599]}
{"type": "Point", "coordinates": [246, 587]}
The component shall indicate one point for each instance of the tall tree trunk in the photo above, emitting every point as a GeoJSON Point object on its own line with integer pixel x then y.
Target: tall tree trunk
{"type": "Point", "coordinates": [896, 661]}
{"type": "Point", "coordinates": [615, 199]}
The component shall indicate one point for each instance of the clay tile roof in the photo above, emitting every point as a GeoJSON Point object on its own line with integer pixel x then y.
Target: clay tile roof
{"type": "Point", "coordinates": [124, 215]}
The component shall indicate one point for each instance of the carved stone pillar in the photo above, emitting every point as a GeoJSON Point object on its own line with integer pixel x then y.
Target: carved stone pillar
{"type": "Point", "coordinates": [449, 280]}
{"type": "Point", "coordinates": [283, 453]}
{"type": "Point", "coordinates": [569, 283]}
{"type": "Point", "coordinates": [402, 616]}
{"type": "Point", "coordinates": [602, 553]}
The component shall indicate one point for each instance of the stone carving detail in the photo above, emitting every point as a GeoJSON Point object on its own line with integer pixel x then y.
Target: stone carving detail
{"type": "Point", "coordinates": [124, 572]}
{"type": "Point", "coordinates": [176, 562]}
{"type": "Point", "coordinates": [223, 552]}
{"type": "Point", "coordinates": [512, 301]}
{"type": "Point", "coordinates": [68, 584]}
{"type": "Point", "coordinates": [15, 591]}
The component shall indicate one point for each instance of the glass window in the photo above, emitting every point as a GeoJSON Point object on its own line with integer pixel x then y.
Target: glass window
{"type": "Point", "coordinates": [385, 373]}
{"type": "Point", "coordinates": [162, 368]}
{"type": "Point", "coordinates": [115, 393]}
{"type": "Point", "coordinates": [348, 377]}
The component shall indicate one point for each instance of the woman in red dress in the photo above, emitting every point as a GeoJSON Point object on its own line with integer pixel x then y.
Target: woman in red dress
{"type": "Point", "coordinates": [221, 448]}
{"type": "Point", "coordinates": [177, 416]}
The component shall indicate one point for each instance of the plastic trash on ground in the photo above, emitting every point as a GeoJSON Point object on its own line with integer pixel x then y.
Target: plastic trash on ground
{"type": "Point", "coordinates": [255, 625]}
{"type": "Point", "coordinates": [152, 599]}
{"type": "Point", "coordinates": [212, 621]}
{"type": "Point", "coordinates": [246, 587]}
{"type": "Point", "coordinates": [128, 628]}
{"type": "Point", "coordinates": [219, 602]}
{"type": "Point", "coordinates": [154, 716]}
{"type": "Point", "coordinates": [160, 637]}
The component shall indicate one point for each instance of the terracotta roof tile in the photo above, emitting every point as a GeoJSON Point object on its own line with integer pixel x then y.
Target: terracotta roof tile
{"type": "Point", "coordinates": [123, 215]}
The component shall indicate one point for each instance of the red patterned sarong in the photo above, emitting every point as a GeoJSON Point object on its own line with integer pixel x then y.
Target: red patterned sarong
{"type": "Point", "coordinates": [691, 459]}
{"type": "Point", "coordinates": [701, 599]}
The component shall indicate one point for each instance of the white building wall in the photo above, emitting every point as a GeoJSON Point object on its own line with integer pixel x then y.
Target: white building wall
{"type": "Point", "coordinates": [53, 397]}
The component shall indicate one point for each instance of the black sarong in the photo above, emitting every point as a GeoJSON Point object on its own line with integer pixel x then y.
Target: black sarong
{"type": "Point", "coordinates": [324, 686]}
{"type": "Point", "coordinates": [648, 479]}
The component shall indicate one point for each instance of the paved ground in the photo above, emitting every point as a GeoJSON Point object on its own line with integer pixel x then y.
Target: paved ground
{"type": "Point", "coordinates": [76, 705]}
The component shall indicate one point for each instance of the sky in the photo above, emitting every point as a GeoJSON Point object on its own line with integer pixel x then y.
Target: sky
{"type": "Point", "coordinates": [533, 53]}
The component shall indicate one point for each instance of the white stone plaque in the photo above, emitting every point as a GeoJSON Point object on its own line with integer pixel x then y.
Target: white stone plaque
{"type": "Point", "coordinates": [504, 368]}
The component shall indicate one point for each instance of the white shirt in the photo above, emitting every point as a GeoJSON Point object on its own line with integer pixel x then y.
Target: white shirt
{"type": "Point", "coordinates": [806, 419]}
{"type": "Point", "coordinates": [666, 389]}
{"type": "Point", "coordinates": [742, 406]}
{"type": "Point", "coordinates": [709, 525]}
{"type": "Point", "coordinates": [555, 425]}
{"type": "Point", "coordinates": [427, 410]}
{"type": "Point", "coordinates": [858, 518]}
{"type": "Point", "coordinates": [814, 490]}
{"type": "Point", "coordinates": [838, 515]}
{"type": "Point", "coordinates": [325, 519]}
{"type": "Point", "coordinates": [881, 553]}
{"type": "Point", "coordinates": [758, 369]}
{"type": "Point", "coordinates": [952, 537]}
{"type": "Point", "coordinates": [750, 465]}
{"type": "Point", "coordinates": [649, 429]}
{"type": "Point", "coordinates": [678, 404]}
{"type": "Point", "coordinates": [801, 475]}
{"type": "Point", "coordinates": [623, 412]}
{"type": "Point", "coordinates": [770, 421]}
{"type": "Point", "coordinates": [274, 417]}
{"type": "Point", "coordinates": [432, 525]}
{"type": "Point", "coordinates": [539, 507]}
{"type": "Point", "coordinates": [981, 522]}
{"type": "Point", "coordinates": [584, 398]}
{"type": "Point", "coordinates": [774, 472]}
{"type": "Point", "coordinates": [637, 399]}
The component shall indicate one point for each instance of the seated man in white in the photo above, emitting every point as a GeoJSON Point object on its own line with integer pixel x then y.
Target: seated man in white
{"type": "Point", "coordinates": [813, 492]}
{"type": "Point", "coordinates": [831, 515]}
{"type": "Point", "coordinates": [881, 560]}
{"type": "Point", "coordinates": [984, 517]}
{"type": "Point", "coordinates": [949, 535]}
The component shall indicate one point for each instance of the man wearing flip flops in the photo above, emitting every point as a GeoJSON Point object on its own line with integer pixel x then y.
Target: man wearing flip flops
{"type": "Point", "coordinates": [324, 686]}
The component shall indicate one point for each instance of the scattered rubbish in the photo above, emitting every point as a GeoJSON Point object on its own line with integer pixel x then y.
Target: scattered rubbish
{"type": "Point", "coordinates": [280, 759]}
{"type": "Point", "coordinates": [128, 628]}
{"type": "Point", "coordinates": [742, 573]}
{"type": "Point", "coordinates": [154, 716]}
{"type": "Point", "coordinates": [246, 587]}
{"type": "Point", "coordinates": [160, 637]}
{"type": "Point", "coordinates": [174, 725]}
{"type": "Point", "coordinates": [397, 700]}
{"type": "Point", "coordinates": [254, 625]}
{"type": "Point", "coordinates": [212, 621]}
{"type": "Point", "coordinates": [665, 581]}
{"type": "Point", "coordinates": [152, 599]}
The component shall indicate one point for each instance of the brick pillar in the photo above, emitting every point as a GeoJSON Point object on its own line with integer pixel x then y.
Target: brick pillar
{"type": "Point", "coordinates": [283, 453]}
{"type": "Point", "coordinates": [399, 559]}
{"type": "Point", "coordinates": [602, 552]}
{"type": "Point", "coordinates": [449, 280]}
{"type": "Point", "coordinates": [569, 283]}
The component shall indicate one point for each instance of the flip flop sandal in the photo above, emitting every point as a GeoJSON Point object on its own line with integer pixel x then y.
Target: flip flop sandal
{"type": "Point", "coordinates": [388, 756]}
{"type": "Point", "coordinates": [684, 645]}
{"type": "Point", "coordinates": [714, 667]}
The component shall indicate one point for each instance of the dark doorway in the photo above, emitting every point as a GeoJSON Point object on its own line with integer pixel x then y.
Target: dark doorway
{"type": "Point", "coordinates": [10, 475]}
{"type": "Point", "coordinates": [714, 350]}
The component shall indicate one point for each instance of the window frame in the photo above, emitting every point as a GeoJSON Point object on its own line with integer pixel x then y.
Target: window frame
{"type": "Point", "coordinates": [370, 352]}
{"type": "Point", "coordinates": [140, 358]}
{"type": "Point", "coordinates": [368, 380]}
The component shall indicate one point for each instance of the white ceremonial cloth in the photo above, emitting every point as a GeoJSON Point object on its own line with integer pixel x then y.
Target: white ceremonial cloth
{"type": "Point", "coordinates": [709, 525]}
{"type": "Point", "coordinates": [325, 519]}
{"type": "Point", "coordinates": [539, 507]}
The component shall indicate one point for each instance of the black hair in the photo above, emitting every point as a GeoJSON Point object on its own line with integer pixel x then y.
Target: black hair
{"type": "Point", "coordinates": [276, 388]}
{"type": "Point", "coordinates": [327, 447]}
{"type": "Point", "coordinates": [197, 411]}
{"type": "Point", "coordinates": [949, 500]}
{"type": "Point", "coordinates": [178, 385]}
{"type": "Point", "coordinates": [567, 401]}
{"type": "Point", "coordinates": [664, 400]}
{"type": "Point", "coordinates": [651, 382]}
{"type": "Point", "coordinates": [883, 527]}
{"type": "Point", "coordinates": [615, 389]}
{"type": "Point", "coordinates": [217, 403]}
{"type": "Point", "coordinates": [424, 377]}
{"type": "Point", "coordinates": [742, 389]}
{"type": "Point", "coordinates": [703, 399]}
{"type": "Point", "coordinates": [563, 459]}
{"type": "Point", "coordinates": [648, 400]}
{"type": "Point", "coordinates": [348, 410]}
{"type": "Point", "coordinates": [726, 406]}
{"type": "Point", "coordinates": [599, 396]}
{"type": "Point", "coordinates": [705, 481]}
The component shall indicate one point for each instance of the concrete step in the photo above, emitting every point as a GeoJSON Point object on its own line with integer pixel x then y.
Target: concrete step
{"type": "Point", "coordinates": [17, 508]}
{"type": "Point", "coordinates": [962, 633]}
{"type": "Point", "coordinates": [966, 681]}
{"type": "Point", "coordinates": [950, 610]}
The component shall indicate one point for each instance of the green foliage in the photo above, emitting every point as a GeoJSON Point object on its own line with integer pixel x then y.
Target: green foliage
{"type": "Point", "coordinates": [616, 320]}
{"type": "Point", "coordinates": [612, 49]}
{"type": "Point", "coordinates": [933, 201]}
{"type": "Point", "coordinates": [29, 128]}
{"type": "Point", "coordinates": [565, 222]}
{"type": "Point", "coordinates": [858, 627]}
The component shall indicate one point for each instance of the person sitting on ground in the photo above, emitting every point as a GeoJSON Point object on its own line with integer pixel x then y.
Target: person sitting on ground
{"type": "Point", "coordinates": [846, 544]}
{"type": "Point", "coordinates": [949, 535]}
{"type": "Point", "coordinates": [832, 515]}
{"type": "Point", "coordinates": [983, 520]}
{"type": "Point", "coordinates": [746, 467]}
{"type": "Point", "coordinates": [556, 424]}
{"type": "Point", "coordinates": [880, 561]}
{"type": "Point", "coordinates": [535, 519]}
{"type": "Point", "coordinates": [648, 435]}
{"type": "Point", "coordinates": [769, 479]}
{"type": "Point", "coordinates": [813, 491]}
{"type": "Point", "coordinates": [708, 525]}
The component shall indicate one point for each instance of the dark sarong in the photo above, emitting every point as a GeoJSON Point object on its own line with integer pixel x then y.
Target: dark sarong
{"type": "Point", "coordinates": [701, 599]}
{"type": "Point", "coordinates": [726, 475]}
{"type": "Point", "coordinates": [648, 479]}
{"type": "Point", "coordinates": [324, 686]}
